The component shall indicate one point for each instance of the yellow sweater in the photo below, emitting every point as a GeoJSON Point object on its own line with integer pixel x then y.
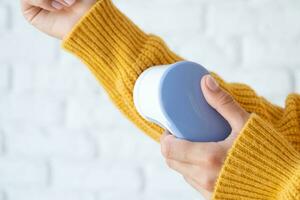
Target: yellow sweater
{"type": "Point", "coordinates": [264, 162]}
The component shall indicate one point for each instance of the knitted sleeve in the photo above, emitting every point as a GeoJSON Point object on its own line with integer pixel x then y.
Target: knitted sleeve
{"type": "Point", "coordinates": [117, 51]}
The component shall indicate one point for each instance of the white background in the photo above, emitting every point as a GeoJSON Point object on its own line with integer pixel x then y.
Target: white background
{"type": "Point", "coordinates": [61, 138]}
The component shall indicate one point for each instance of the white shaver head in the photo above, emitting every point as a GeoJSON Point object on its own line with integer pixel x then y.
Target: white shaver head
{"type": "Point", "coordinates": [146, 95]}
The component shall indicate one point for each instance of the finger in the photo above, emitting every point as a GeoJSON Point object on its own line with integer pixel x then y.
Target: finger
{"type": "Point", "coordinates": [223, 102]}
{"type": "Point", "coordinates": [205, 177]}
{"type": "Point", "coordinates": [44, 4]}
{"type": "Point", "coordinates": [206, 194]}
{"type": "Point", "coordinates": [185, 169]}
{"type": "Point", "coordinates": [57, 5]}
{"type": "Point", "coordinates": [209, 154]}
{"type": "Point", "coordinates": [49, 5]}
{"type": "Point", "coordinates": [165, 133]}
{"type": "Point", "coordinates": [66, 2]}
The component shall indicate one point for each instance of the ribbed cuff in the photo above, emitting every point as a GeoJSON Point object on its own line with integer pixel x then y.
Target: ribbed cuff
{"type": "Point", "coordinates": [262, 164]}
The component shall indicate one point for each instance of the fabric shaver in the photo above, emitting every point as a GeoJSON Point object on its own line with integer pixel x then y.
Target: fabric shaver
{"type": "Point", "coordinates": [171, 97]}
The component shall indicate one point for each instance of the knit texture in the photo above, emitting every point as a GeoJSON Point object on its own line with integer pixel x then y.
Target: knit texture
{"type": "Point", "coordinates": [264, 162]}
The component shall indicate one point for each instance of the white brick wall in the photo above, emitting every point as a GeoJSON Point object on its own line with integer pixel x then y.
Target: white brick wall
{"type": "Point", "coordinates": [23, 173]}
{"type": "Point", "coordinates": [96, 175]}
{"type": "Point", "coordinates": [50, 143]}
{"type": "Point", "coordinates": [4, 78]}
{"type": "Point", "coordinates": [297, 81]}
{"type": "Point", "coordinates": [60, 136]}
{"type": "Point", "coordinates": [48, 194]}
{"type": "Point", "coordinates": [3, 18]}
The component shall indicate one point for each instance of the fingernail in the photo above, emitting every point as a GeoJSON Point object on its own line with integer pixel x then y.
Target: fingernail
{"type": "Point", "coordinates": [57, 5]}
{"type": "Point", "coordinates": [70, 2]}
{"type": "Point", "coordinates": [212, 83]}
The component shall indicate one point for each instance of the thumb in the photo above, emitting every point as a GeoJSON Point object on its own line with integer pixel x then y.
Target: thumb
{"type": "Point", "coordinates": [223, 103]}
